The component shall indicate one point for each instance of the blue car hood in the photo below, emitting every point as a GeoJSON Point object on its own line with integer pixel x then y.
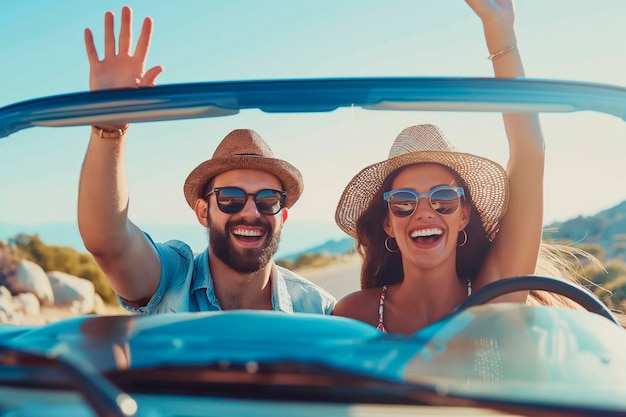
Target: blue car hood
{"type": "Point", "coordinates": [501, 352]}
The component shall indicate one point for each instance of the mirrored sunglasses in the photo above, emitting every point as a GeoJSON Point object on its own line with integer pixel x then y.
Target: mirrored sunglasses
{"type": "Point", "coordinates": [444, 200]}
{"type": "Point", "coordinates": [231, 200]}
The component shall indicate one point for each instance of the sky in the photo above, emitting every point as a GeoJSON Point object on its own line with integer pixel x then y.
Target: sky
{"type": "Point", "coordinates": [42, 53]}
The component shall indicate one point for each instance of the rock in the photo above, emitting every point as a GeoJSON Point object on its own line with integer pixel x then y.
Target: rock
{"type": "Point", "coordinates": [70, 291]}
{"type": "Point", "coordinates": [31, 278]}
{"type": "Point", "coordinates": [7, 309]}
{"type": "Point", "coordinates": [27, 303]}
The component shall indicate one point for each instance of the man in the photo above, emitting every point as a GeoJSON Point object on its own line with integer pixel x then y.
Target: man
{"type": "Point", "coordinates": [241, 195]}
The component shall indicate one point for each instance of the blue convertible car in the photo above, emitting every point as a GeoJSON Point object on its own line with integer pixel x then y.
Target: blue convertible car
{"type": "Point", "coordinates": [484, 359]}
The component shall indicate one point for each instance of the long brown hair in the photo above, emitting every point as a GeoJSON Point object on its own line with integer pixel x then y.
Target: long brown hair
{"type": "Point", "coordinates": [382, 267]}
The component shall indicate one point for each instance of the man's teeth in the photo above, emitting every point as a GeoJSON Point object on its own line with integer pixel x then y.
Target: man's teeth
{"type": "Point", "coordinates": [247, 232]}
{"type": "Point", "coordinates": [426, 232]}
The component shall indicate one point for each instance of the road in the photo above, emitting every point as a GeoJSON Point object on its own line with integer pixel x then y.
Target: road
{"type": "Point", "coordinates": [339, 279]}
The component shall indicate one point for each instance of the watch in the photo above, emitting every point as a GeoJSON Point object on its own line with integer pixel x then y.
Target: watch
{"type": "Point", "coordinates": [110, 133]}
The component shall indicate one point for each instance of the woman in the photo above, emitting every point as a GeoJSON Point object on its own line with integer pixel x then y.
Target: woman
{"type": "Point", "coordinates": [432, 224]}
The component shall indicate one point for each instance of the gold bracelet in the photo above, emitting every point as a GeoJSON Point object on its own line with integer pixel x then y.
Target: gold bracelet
{"type": "Point", "coordinates": [498, 54]}
{"type": "Point", "coordinates": [110, 133]}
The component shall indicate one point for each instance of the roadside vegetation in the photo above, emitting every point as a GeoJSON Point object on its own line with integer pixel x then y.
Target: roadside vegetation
{"type": "Point", "coordinates": [53, 258]}
{"type": "Point", "coordinates": [604, 277]}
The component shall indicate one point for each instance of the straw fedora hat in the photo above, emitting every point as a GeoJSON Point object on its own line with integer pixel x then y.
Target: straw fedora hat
{"type": "Point", "coordinates": [243, 149]}
{"type": "Point", "coordinates": [486, 180]}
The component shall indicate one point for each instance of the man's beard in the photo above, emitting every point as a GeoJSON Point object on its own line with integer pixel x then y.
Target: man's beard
{"type": "Point", "coordinates": [247, 260]}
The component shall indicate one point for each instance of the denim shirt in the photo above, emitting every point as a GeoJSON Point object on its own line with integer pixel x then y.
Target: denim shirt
{"type": "Point", "coordinates": [186, 286]}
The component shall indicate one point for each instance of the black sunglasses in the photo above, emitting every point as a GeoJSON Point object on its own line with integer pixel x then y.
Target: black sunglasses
{"type": "Point", "coordinates": [231, 200]}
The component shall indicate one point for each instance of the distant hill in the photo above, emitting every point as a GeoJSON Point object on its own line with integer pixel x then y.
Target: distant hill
{"type": "Point", "coordinates": [331, 247]}
{"type": "Point", "coordinates": [606, 229]}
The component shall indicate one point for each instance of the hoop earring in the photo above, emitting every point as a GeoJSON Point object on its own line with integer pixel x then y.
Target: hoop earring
{"type": "Point", "coordinates": [465, 238]}
{"type": "Point", "coordinates": [387, 245]}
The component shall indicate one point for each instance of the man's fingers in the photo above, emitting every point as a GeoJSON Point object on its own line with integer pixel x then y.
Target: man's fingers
{"type": "Point", "coordinates": [109, 35]}
{"type": "Point", "coordinates": [92, 53]}
{"type": "Point", "coordinates": [143, 44]}
{"type": "Point", "coordinates": [126, 34]}
{"type": "Point", "coordinates": [149, 78]}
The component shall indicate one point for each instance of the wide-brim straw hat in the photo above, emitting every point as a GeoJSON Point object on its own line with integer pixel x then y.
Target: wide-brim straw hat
{"type": "Point", "coordinates": [243, 149]}
{"type": "Point", "coordinates": [486, 180]}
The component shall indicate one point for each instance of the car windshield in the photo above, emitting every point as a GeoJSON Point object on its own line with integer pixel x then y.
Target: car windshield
{"type": "Point", "coordinates": [337, 129]}
{"type": "Point", "coordinates": [329, 92]}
